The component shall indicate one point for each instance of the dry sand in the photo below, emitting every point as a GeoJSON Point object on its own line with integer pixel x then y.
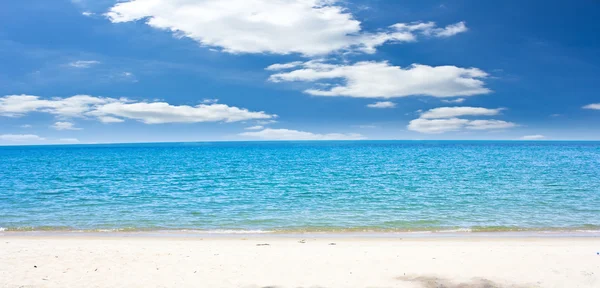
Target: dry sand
{"type": "Point", "coordinates": [118, 261]}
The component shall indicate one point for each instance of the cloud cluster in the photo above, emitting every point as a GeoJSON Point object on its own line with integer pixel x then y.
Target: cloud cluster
{"type": "Point", "coordinates": [445, 119]}
{"type": "Point", "coordinates": [381, 80]}
{"type": "Point", "coordinates": [110, 110]}
{"type": "Point", "coordinates": [307, 27]}
{"type": "Point", "coordinates": [287, 134]}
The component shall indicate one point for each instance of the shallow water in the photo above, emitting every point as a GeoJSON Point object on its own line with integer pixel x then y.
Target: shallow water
{"type": "Point", "coordinates": [303, 186]}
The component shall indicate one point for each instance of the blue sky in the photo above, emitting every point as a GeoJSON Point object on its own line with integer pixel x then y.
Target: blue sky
{"type": "Point", "coordinates": [203, 70]}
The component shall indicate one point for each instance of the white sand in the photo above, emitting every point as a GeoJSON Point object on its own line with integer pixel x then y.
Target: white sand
{"type": "Point", "coordinates": [76, 261]}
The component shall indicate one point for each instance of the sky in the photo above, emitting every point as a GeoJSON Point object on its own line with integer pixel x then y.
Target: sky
{"type": "Point", "coordinates": [115, 71]}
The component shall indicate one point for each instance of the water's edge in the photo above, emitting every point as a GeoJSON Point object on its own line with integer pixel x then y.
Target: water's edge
{"type": "Point", "coordinates": [222, 234]}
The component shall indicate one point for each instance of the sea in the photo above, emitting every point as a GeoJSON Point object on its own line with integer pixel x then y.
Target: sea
{"type": "Point", "coordinates": [304, 186]}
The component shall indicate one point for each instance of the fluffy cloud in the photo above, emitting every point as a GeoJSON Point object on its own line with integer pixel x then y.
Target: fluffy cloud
{"type": "Point", "coordinates": [308, 27]}
{"type": "Point", "coordinates": [21, 138]}
{"type": "Point", "coordinates": [64, 126]}
{"type": "Point", "coordinates": [286, 134]}
{"type": "Point", "coordinates": [111, 110]}
{"type": "Point", "coordinates": [84, 64]}
{"type": "Point", "coordinates": [381, 80]}
{"type": "Point", "coordinates": [449, 112]}
{"type": "Point", "coordinates": [595, 106]}
{"type": "Point", "coordinates": [533, 137]}
{"type": "Point", "coordinates": [257, 127]}
{"type": "Point", "coordinates": [444, 119]}
{"type": "Point", "coordinates": [382, 105]}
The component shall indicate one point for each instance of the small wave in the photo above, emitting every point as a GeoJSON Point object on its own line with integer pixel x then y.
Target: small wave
{"type": "Point", "coordinates": [2, 229]}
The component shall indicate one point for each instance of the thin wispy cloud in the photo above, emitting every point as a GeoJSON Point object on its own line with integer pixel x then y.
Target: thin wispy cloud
{"type": "Point", "coordinates": [64, 126]}
{"type": "Point", "coordinates": [84, 63]}
{"type": "Point", "coordinates": [382, 105]}
{"type": "Point", "coordinates": [533, 137]}
{"type": "Point", "coordinates": [21, 138]}
{"type": "Point", "coordinates": [288, 134]}
{"type": "Point", "coordinates": [454, 101]}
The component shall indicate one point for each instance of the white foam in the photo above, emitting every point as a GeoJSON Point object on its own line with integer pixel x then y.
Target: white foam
{"type": "Point", "coordinates": [2, 229]}
{"type": "Point", "coordinates": [459, 230]}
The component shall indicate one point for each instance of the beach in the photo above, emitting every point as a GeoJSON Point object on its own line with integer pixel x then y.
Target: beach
{"type": "Point", "coordinates": [149, 260]}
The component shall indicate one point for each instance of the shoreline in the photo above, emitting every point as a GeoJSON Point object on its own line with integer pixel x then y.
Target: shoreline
{"type": "Point", "coordinates": [226, 234]}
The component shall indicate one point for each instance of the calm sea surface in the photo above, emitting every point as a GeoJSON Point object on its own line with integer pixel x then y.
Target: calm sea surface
{"type": "Point", "coordinates": [303, 186]}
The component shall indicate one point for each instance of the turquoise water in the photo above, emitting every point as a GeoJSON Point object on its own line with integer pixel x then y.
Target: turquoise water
{"type": "Point", "coordinates": [303, 186]}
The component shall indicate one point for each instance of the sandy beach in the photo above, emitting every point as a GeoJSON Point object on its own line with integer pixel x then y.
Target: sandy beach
{"type": "Point", "coordinates": [296, 261]}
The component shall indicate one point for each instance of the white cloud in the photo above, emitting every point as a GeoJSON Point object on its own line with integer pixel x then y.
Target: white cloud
{"type": "Point", "coordinates": [595, 106]}
{"type": "Point", "coordinates": [458, 100]}
{"type": "Point", "coordinates": [430, 28]}
{"type": "Point", "coordinates": [450, 30]}
{"type": "Point", "coordinates": [266, 122]}
{"type": "Point", "coordinates": [87, 13]}
{"type": "Point", "coordinates": [21, 138]}
{"type": "Point", "coordinates": [382, 104]}
{"type": "Point", "coordinates": [209, 101]}
{"type": "Point", "coordinates": [64, 126]}
{"type": "Point", "coordinates": [286, 134]}
{"type": "Point", "coordinates": [84, 64]}
{"type": "Point", "coordinates": [161, 112]}
{"type": "Point", "coordinates": [110, 119]}
{"type": "Point", "coordinates": [25, 126]}
{"type": "Point", "coordinates": [69, 140]}
{"type": "Point", "coordinates": [110, 110]}
{"type": "Point", "coordinates": [308, 27]}
{"type": "Point", "coordinates": [366, 126]}
{"type": "Point", "coordinates": [257, 127]}
{"type": "Point", "coordinates": [533, 137]}
{"type": "Point", "coordinates": [489, 124]}
{"type": "Point", "coordinates": [450, 112]}
{"type": "Point", "coordinates": [435, 126]}
{"type": "Point", "coordinates": [75, 106]}
{"type": "Point", "coordinates": [284, 66]}
{"type": "Point", "coordinates": [444, 119]}
{"type": "Point", "coordinates": [380, 80]}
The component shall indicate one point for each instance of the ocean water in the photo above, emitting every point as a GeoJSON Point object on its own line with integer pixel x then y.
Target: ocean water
{"type": "Point", "coordinates": [303, 186]}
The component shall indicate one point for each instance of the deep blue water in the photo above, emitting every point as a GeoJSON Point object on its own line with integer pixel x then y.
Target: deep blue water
{"type": "Point", "coordinates": [311, 186]}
